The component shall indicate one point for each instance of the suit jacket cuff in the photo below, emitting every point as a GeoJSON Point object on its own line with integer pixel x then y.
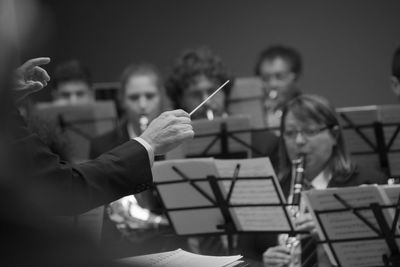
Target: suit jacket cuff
{"type": "Point", "coordinates": [150, 150]}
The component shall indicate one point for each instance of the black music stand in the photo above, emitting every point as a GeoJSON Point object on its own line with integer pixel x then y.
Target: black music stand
{"type": "Point", "coordinates": [218, 204]}
{"type": "Point", "coordinates": [220, 138]}
{"type": "Point", "coordinates": [383, 231]}
{"type": "Point", "coordinates": [225, 138]}
{"type": "Point", "coordinates": [80, 123]}
{"type": "Point", "coordinates": [376, 128]}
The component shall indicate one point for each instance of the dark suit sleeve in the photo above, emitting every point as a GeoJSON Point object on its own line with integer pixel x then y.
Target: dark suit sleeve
{"type": "Point", "coordinates": [63, 188]}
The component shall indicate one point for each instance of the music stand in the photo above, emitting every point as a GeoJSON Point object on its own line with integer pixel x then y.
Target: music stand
{"type": "Point", "coordinates": [200, 200]}
{"type": "Point", "coordinates": [79, 123]}
{"type": "Point", "coordinates": [247, 98]}
{"type": "Point", "coordinates": [230, 137]}
{"type": "Point", "coordinates": [377, 240]}
{"type": "Point", "coordinates": [371, 133]}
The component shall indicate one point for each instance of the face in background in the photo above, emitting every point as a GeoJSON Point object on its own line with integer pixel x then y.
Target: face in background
{"type": "Point", "coordinates": [309, 138]}
{"type": "Point", "coordinates": [395, 86]}
{"type": "Point", "coordinates": [142, 97]}
{"type": "Point", "coordinates": [199, 90]}
{"type": "Point", "coordinates": [73, 92]}
{"type": "Point", "coordinates": [277, 78]}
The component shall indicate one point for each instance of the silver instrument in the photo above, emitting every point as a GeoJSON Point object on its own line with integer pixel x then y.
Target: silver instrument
{"type": "Point", "coordinates": [143, 123]}
{"type": "Point", "coordinates": [128, 214]}
{"type": "Point", "coordinates": [210, 114]}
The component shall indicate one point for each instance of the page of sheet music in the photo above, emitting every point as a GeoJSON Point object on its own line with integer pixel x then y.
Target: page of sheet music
{"type": "Point", "coordinates": [346, 225]}
{"type": "Point", "coordinates": [260, 219]}
{"type": "Point", "coordinates": [172, 194]}
{"type": "Point", "coordinates": [249, 191]}
{"type": "Point", "coordinates": [197, 221]}
{"type": "Point", "coordinates": [361, 253]}
{"type": "Point", "coordinates": [201, 215]}
{"type": "Point", "coordinates": [193, 168]}
{"type": "Point", "coordinates": [340, 225]}
{"type": "Point", "coordinates": [180, 258]}
{"type": "Point", "coordinates": [392, 192]}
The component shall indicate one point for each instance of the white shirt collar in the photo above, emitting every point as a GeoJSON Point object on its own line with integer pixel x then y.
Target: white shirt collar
{"type": "Point", "coordinates": [321, 181]}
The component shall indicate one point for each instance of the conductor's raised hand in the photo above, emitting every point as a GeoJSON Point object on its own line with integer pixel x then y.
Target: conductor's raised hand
{"type": "Point", "coordinates": [30, 77]}
{"type": "Point", "coordinates": [168, 131]}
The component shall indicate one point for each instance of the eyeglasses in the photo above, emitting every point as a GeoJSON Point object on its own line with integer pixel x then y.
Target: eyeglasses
{"type": "Point", "coordinates": [307, 132]}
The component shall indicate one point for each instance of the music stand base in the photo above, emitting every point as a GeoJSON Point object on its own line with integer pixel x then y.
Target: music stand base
{"type": "Point", "coordinates": [392, 261]}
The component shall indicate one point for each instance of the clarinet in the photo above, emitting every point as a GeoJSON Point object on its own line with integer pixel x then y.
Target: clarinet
{"type": "Point", "coordinates": [292, 241]}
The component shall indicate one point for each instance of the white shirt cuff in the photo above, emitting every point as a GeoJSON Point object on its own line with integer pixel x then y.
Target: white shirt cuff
{"type": "Point", "coordinates": [147, 146]}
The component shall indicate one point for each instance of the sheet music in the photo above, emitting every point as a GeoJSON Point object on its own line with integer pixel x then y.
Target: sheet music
{"type": "Point", "coordinates": [361, 254]}
{"type": "Point", "coordinates": [260, 219]}
{"type": "Point", "coordinates": [346, 225]}
{"type": "Point", "coordinates": [367, 115]}
{"type": "Point", "coordinates": [180, 258]}
{"type": "Point", "coordinates": [184, 195]}
{"type": "Point", "coordinates": [172, 194]}
{"type": "Point", "coordinates": [258, 167]}
{"type": "Point", "coordinates": [392, 192]}
{"type": "Point", "coordinates": [193, 213]}
{"type": "Point", "coordinates": [249, 191]}
{"type": "Point", "coordinates": [197, 221]}
{"type": "Point", "coordinates": [194, 168]}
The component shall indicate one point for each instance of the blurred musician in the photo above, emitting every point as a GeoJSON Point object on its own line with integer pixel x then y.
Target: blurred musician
{"type": "Point", "coordinates": [133, 222]}
{"type": "Point", "coordinates": [309, 127]}
{"type": "Point", "coordinates": [197, 73]}
{"type": "Point", "coordinates": [279, 68]}
{"type": "Point", "coordinates": [72, 84]}
{"type": "Point", "coordinates": [395, 77]}
{"type": "Point", "coordinates": [140, 97]}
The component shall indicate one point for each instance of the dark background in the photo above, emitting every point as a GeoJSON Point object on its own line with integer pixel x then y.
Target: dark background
{"type": "Point", "coordinates": [346, 45]}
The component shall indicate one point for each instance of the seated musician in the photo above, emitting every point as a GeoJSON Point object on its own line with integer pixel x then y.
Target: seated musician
{"type": "Point", "coordinates": [309, 127]}
{"type": "Point", "coordinates": [196, 74]}
{"type": "Point", "coordinates": [72, 84]}
{"type": "Point", "coordinates": [134, 224]}
{"type": "Point", "coordinates": [279, 68]}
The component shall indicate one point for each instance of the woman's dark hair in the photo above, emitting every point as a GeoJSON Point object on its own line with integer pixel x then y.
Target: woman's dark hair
{"type": "Point", "coordinates": [191, 64]}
